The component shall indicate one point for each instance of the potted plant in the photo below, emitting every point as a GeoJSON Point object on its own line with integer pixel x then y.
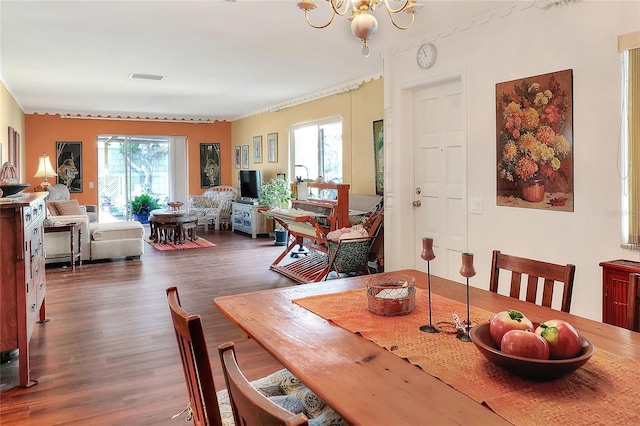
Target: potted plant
{"type": "Point", "coordinates": [276, 194]}
{"type": "Point", "coordinates": [142, 205]}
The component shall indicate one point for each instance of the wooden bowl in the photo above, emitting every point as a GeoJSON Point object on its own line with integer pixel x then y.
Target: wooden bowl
{"type": "Point", "coordinates": [13, 188]}
{"type": "Point", "coordinates": [535, 369]}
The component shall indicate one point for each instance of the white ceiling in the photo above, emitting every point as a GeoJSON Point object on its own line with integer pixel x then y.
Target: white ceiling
{"type": "Point", "coordinates": [222, 60]}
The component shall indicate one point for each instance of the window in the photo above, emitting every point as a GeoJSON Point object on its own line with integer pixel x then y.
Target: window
{"type": "Point", "coordinates": [317, 150]}
{"type": "Point", "coordinates": [629, 46]}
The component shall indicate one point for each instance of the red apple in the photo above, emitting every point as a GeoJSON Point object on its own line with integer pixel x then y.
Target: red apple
{"type": "Point", "coordinates": [564, 341]}
{"type": "Point", "coordinates": [508, 320]}
{"type": "Point", "coordinates": [525, 343]}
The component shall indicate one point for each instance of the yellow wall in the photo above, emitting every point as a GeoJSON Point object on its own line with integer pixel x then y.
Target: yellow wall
{"type": "Point", "coordinates": [358, 109]}
{"type": "Point", "coordinates": [11, 116]}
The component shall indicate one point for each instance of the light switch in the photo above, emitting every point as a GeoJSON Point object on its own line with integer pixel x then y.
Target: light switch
{"type": "Point", "coordinates": [90, 185]}
{"type": "Point", "coordinates": [476, 206]}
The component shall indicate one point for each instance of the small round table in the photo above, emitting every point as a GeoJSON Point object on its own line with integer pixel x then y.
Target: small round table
{"type": "Point", "coordinates": [172, 226]}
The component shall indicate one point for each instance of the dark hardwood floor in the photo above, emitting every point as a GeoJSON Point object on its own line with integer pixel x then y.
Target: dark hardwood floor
{"type": "Point", "coordinates": [108, 355]}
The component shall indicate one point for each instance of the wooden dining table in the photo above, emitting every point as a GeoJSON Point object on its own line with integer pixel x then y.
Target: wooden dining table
{"type": "Point", "coordinates": [369, 384]}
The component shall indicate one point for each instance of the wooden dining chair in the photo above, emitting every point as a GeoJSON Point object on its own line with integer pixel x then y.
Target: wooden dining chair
{"type": "Point", "coordinates": [203, 405]}
{"type": "Point", "coordinates": [249, 406]}
{"type": "Point", "coordinates": [208, 407]}
{"type": "Point", "coordinates": [633, 303]}
{"type": "Point", "coordinates": [534, 270]}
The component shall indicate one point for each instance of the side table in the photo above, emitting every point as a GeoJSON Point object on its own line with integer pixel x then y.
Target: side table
{"type": "Point", "coordinates": [71, 228]}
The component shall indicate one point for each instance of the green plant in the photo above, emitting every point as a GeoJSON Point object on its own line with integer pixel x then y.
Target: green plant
{"type": "Point", "coordinates": [144, 203]}
{"type": "Point", "coordinates": [275, 193]}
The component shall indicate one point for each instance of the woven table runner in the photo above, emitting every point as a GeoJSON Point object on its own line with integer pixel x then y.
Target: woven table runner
{"type": "Point", "coordinates": [603, 391]}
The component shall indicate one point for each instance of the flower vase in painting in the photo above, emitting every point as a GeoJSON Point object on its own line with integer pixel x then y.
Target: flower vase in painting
{"type": "Point", "coordinates": [534, 142]}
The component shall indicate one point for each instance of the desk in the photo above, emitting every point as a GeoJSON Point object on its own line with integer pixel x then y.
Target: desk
{"type": "Point", "coordinates": [367, 384]}
{"type": "Point", "coordinates": [71, 228]}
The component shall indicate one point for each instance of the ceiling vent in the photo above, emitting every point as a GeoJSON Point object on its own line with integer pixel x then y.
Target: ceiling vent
{"type": "Point", "coordinates": [146, 76]}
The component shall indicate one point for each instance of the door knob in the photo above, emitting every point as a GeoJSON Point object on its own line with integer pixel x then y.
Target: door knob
{"type": "Point", "coordinates": [417, 203]}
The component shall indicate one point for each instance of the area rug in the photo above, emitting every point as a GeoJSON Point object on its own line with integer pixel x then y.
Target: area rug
{"type": "Point", "coordinates": [199, 243]}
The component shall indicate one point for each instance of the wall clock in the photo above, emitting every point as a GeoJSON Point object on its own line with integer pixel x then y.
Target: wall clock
{"type": "Point", "coordinates": [427, 54]}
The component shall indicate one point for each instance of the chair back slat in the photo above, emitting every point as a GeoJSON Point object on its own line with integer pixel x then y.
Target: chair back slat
{"type": "Point", "coordinates": [249, 406]}
{"type": "Point", "coordinates": [195, 363]}
{"type": "Point", "coordinates": [633, 303]}
{"type": "Point", "coordinates": [535, 270]}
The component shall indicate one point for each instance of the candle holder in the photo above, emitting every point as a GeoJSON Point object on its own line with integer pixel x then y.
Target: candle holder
{"type": "Point", "coordinates": [467, 271]}
{"type": "Point", "coordinates": [428, 255]}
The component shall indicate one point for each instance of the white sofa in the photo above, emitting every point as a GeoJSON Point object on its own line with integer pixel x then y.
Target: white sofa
{"type": "Point", "coordinates": [98, 240]}
{"type": "Point", "coordinates": [214, 205]}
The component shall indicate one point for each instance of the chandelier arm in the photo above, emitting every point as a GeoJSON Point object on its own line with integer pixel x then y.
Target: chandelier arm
{"type": "Point", "coordinates": [391, 10]}
{"type": "Point", "coordinates": [319, 27]}
{"type": "Point", "coordinates": [337, 5]}
{"type": "Point", "coordinates": [400, 27]}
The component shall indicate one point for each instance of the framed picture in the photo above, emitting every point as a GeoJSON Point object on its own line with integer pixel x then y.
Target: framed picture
{"type": "Point", "coordinates": [378, 154]}
{"type": "Point", "coordinates": [534, 142]}
{"type": "Point", "coordinates": [69, 163]}
{"type": "Point", "coordinates": [209, 165]}
{"type": "Point", "coordinates": [257, 149]}
{"type": "Point", "coordinates": [237, 157]}
{"type": "Point", "coordinates": [245, 156]}
{"type": "Point", "coordinates": [272, 147]}
{"type": "Point", "coordinates": [14, 148]}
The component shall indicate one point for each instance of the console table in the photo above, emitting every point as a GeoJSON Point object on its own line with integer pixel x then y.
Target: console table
{"type": "Point", "coordinates": [72, 229]}
{"type": "Point", "coordinates": [615, 287]}
{"type": "Point", "coordinates": [246, 218]}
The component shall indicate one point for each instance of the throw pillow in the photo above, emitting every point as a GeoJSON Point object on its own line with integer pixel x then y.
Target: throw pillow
{"type": "Point", "coordinates": [53, 209]}
{"type": "Point", "coordinates": [69, 207]}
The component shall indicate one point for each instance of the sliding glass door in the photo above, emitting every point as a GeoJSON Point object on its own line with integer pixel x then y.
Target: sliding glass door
{"type": "Point", "coordinates": [129, 166]}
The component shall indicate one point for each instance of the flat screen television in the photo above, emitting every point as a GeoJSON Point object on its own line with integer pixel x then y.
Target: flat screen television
{"type": "Point", "coordinates": [249, 184]}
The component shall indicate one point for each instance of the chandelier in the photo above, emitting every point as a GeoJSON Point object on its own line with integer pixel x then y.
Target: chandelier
{"type": "Point", "coordinates": [363, 24]}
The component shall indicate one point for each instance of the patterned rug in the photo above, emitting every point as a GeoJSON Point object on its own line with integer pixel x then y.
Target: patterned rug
{"type": "Point", "coordinates": [199, 243]}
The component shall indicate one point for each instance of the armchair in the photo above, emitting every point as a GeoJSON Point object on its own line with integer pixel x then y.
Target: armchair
{"type": "Point", "coordinates": [213, 205]}
{"type": "Point", "coordinates": [60, 192]}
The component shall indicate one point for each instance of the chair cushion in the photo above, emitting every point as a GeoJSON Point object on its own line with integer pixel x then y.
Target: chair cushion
{"type": "Point", "coordinates": [58, 192]}
{"type": "Point", "coordinates": [202, 202]}
{"type": "Point", "coordinates": [68, 207]}
{"type": "Point", "coordinates": [284, 389]}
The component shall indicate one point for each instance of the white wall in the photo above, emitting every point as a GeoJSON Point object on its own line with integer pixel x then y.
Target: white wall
{"type": "Point", "coordinates": [516, 41]}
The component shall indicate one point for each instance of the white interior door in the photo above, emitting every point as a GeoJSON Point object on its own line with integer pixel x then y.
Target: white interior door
{"type": "Point", "coordinates": [440, 164]}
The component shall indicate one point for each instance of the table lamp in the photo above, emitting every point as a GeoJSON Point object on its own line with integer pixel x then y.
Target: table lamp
{"type": "Point", "coordinates": [45, 170]}
{"type": "Point", "coordinates": [467, 271]}
{"type": "Point", "coordinates": [428, 255]}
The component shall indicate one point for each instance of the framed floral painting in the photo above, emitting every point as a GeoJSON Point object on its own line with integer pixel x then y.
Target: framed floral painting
{"type": "Point", "coordinates": [534, 131]}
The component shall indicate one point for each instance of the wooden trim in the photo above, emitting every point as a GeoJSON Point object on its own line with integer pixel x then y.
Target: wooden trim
{"type": "Point", "coordinates": [629, 41]}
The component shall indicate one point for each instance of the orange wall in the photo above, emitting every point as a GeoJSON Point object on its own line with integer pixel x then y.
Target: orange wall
{"type": "Point", "coordinates": [42, 132]}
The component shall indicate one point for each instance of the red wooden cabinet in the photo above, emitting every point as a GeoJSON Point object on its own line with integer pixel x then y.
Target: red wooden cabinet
{"type": "Point", "coordinates": [615, 286]}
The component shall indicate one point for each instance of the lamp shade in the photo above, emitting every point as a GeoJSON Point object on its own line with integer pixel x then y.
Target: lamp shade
{"type": "Point", "coordinates": [45, 169]}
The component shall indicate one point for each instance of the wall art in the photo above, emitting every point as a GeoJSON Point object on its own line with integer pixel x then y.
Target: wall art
{"type": "Point", "coordinates": [257, 149]}
{"type": "Point", "coordinates": [534, 133]}
{"type": "Point", "coordinates": [378, 154]}
{"type": "Point", "coordinates": [69, 163]}
{"type": "Point", "coordinates": [245, 156]}
{"type": "Point", "coordinates": [237, 157]}
{"type": "Point", "coordinates": [272, 147]}
{"type": "Point", "coordinates": [209, 165]}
